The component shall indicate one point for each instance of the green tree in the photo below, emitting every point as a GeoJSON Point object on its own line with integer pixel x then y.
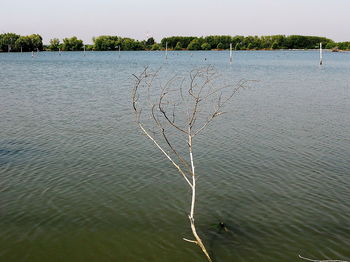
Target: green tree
{"type": "Point", "coordinates": [131, 44]}
{"type": "Point", "coordinates": [155, 47]}
{"type": "Point", "coordinates": [150, 41]}
{"type": "Point", "coordinates": [343, 45]}
{"type": "Point", "coordinates": [54, 44]}
{"type": "Point", "coordinates": [194, 45]}
{"type": "Point", "coordinates": [248, 42]}
{"type": "Point", "coordinates": [173, 40]}
{"type": "Point", "coordinates": [7, 41]}
{"type": "Point", "coordinates": [331, 45]}
{"type": "Point", "coordinates": [178, 46]}
{"type": "Point", "coordinates": [36, 41]}
{"type": "Point", "coordinates": [206, 46]}
{"type": "Point", "coordinates": [225, 40]}
{"type": "Point", "coordinates": [72, 44]}
{"type": "Point", "coordinates": [105, 43]}
{"type": "Point", "coordinates": [305, 42]}
{"type": "Point", "coordinates": [89, 47]}
{"type": "Point", "coordinates": [257, 44]}
{"type": "Point", "coordinates": [265, 42]}
{"type": "Point", "coordinates": [23, 43]}
{"type": "Point", "coordinates": [29, 43]}
{"type": "Point", "coordinates": [280, 40]}
{"type": "Point", "coordinates": [238, 46]}
{"type": "Point", "coordinates": [238, 39]}
{"type": "Point", "coordinates": [275, 45]}
{"type": "Point", "coordinates": [220, 46]}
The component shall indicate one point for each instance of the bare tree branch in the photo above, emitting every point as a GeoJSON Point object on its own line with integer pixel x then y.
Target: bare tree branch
{"type": "Point", "coordinates": [161, 109]}
{"type": "Point", "coordinates": [167, 114]}
{"type": "Point", "coordinates": [138, 113]}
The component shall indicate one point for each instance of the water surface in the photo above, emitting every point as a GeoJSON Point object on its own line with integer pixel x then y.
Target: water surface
{"type": "Point", "coordinates": [78, 181]}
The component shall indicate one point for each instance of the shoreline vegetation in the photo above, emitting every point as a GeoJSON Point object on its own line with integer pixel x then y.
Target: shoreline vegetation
{"type": "Point", "coordinates": [11, 42]}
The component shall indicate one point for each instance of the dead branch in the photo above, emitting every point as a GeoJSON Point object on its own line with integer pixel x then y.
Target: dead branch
{"type": "Point", "coordinates": [167, 113]}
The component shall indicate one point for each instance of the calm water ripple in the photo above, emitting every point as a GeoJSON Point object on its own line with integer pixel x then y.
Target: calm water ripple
{"type": "Point", "coordinates": [79, 182]}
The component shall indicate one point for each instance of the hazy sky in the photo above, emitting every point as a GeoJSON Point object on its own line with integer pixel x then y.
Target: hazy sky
{"type": "Point", "coordinates": [160, 18]}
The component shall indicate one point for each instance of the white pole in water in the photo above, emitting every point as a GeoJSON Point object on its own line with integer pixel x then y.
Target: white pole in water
{"type": "Point", "coordinates": [321, 54]}
{"type": "Point", "coordinates": [37, 50]}
{"type": "Point", "coordinates": [230, 52]}
{"type": "Point", "coordinates": [166, 50]}
{"type": "Point", "coordinates": [32, 54]}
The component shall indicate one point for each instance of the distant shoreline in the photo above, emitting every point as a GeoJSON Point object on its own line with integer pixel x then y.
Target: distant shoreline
{"type": "Point", "coordinates": [11, 42]}
{"type": "Point", "coordinates": [186, 50]}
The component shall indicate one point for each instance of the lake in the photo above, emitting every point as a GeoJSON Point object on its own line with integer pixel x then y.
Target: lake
{"type": "Point", "coordinates": [79, 182]}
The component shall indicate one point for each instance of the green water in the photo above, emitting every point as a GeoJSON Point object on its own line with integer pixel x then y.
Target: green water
{"type": "Point", "coordinates": [79, 182]}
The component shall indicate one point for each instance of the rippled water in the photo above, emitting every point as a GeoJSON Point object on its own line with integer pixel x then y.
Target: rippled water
{"type": "Point", "coordinates": [78, 182]}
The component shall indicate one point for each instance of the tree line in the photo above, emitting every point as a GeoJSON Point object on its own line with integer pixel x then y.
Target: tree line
{"type": "Point", "coordinates": [251, 42]}
{"type": "Point", "coordinates": [16, 43]}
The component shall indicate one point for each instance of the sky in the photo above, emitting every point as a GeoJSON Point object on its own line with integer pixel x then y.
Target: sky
{"type": "Point", "coordinates": [160, 18]}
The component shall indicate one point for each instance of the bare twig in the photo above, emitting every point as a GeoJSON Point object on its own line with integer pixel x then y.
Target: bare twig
{"type": "Point", "coordinates": [166, 116]}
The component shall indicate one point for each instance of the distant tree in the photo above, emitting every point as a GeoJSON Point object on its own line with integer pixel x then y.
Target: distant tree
{"type": "Point", "coordinates": [150, 41]}
{"type": "Point", "coordinates": [238, 39]}
{"type": "Point", "coordinates": [54, 44]}
{"type": "Point", "coordinates": [220, 46]}
{"type": "Point", "coordinates": [275, 45]}
{"type": "Point", "coordinates": [23, 43]}
{"type": "Point", "coordinates": [252, 42]}
{"type": "Point", "coordinates": [72, 44]}
{"type": "Point", "coordinates": [89, 47]}
{"type": "Point", "coordinates": [173, 40]}
{"type": "Point", "coordinates": [265, 42]}
{"type": "Point", "coordinates": [238, 46]}
{"type": "Point", "coordinates": [331, 45]}
{"type": "Point", "coordinates": [343, 45]}
{"type": "Point", "coordinates": [32, 42]}
{"type": "Point", "coordinates": [178, 46]}
{"type": "Point", "coordinates": [194, 45]}
{"type": "Point", "coordinates": [155, 47]}
{"type": "Point", "coordinates": [29, 43]}
{"type": "Point", "coordinates": [36, 41]}
{"type": "Point", "coordinates": [256, 43]}
{"type": "Point", "coordinates": [131, 44]}
{"type": "Point", "coordinates": [7, 41]}
{"type": "Point", "coordinates": [280, 40]}
{"type": "Point", "coordinates": [225, 40]}
{"type": "Point", "coordinates": [206, 46]}
{"type": "Point", "coordinates": [305, 42]}
{"type": "Point", "coordinates": [105, 43]}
